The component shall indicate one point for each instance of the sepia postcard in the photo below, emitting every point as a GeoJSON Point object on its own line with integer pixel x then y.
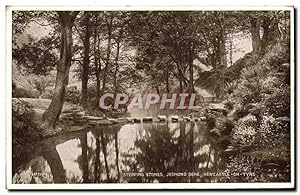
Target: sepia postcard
{"type": "Point", "coordinates": [180, 97]}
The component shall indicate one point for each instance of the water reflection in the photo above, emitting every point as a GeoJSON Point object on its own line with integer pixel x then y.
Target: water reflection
{"type": "Point", "coordinates": [149, 152]}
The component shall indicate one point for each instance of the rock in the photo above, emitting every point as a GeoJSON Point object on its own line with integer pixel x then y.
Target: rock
{"type": "Point", "coordinates": [80, 120]}
{"type": "Point", "coordinates": [218, 108]}
{"type": "Point", "coordinates": [92, 117]}
{"type": "Point", "coordinates": [156, 120]}
{"type": "Point", "coordinates": [114, 121]}
{"type": "Point", "coordinates": [162, 118]}
{"type": "Point", "coordinates": [74, 128]}
{"type": "Point", "coordinates": [39, 111]}
{"type": "Point", "coordinates": [174, 119]}
{"type": "Point", "coordinates": [81, 113]}
{"type": "Point", "coordinates": [202, 118]}
{"type": "Point", "coordinates": [283, 119]}
{"type": "Point", "coordinates": [137, 120]}
{"type": "Point", "coordinates": [100, 122]}
{"type": "Point", "coordinates": [131, 120]}
{"type": "Point", "coordinates": [186, 118]}
{"type": "Point", "coordinates": [63, 115]}
{"type": "Point", "coordinates": [148, 119]}
{"type": "Point", "coordinates": [271, 165]}
{"type": "Point", "coordinates": [215, 132]}
{"type": "Point", "coordinates": [70, 111]}
{"type": "Point", "coordinates": [231, 150]}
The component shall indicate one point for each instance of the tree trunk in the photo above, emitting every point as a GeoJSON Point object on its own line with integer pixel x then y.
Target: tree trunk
{"type": "Point", "coordinates": [167, 81]}
{"type": "Point", "coordinates": [179, 153]}
{"type": "Point", "coordinates": [108, 51]}
{"type": "Point", "coordinates": [85, 164]}
{"type": "Point", "coordinates": [97, 160]}
{"type": "Point", "coordinates": [96, 60]}
{"type": "Point", "coordinates": [266, 34]}
{"type": "Point", "coordinates": [97, 79]}
{"type": "Point", "coordinates": [191, 68]}
{"type": "Point", "coordinates": [191, 147]}
{"type": "Point", "coordinates": [223, 57]}
{"type": "Point", "coordinates": [180, 77]}
{"type": "Point", "coordinates": [53, 159]}
{"type": "Point", "coordinates": [117, 155]}
{"type": "Point", "coordinates": [116, 67]}
{"type": "Point", "coordinates": [255, 34]}
{"type": "Point", "coordinates": [180, 86]}
{"type": "Point", "coordinates": [223, 64]}
{"type": "Point", "coordinates": [157, 89]}
{"type": "Point", "coordinates": [51, 115]}
{"type": "Point", "coordinates": [103, 143]}
{"type": "Point", "coordinates": [86, 60]}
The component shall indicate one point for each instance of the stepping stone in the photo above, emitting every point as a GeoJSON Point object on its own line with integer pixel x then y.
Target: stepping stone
{"type": "Point", "coordinates": [156, 120]}
{"type": "Point", "coordinates": [92, 117]}
{"type": "Point", "coordinates": [202, 118]}
{"type": "Point", "coordinates": [162, 118]}
{"type": "Point", "coordinates": [174, 119]}
{"type": "Point", "coordinates": [80, 113]}
{"type": "Point", "coordinates": [130, 120]}
{"type": "Point", "coordinates": [114, 121]}
{"type": "Point", "coordinates": [137, 120]}
{"type": "Point", "coordinates": [103, 122]}
{"type": "Point", "coordinates": [180, 119]}
{"type": "Point", "coordinates": [148, 119]}
{"type": "Point", "coordinates": [187, 118]}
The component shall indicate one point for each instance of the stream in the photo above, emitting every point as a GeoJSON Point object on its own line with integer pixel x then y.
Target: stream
{"type": "Point", "coordinates": [128, 153]}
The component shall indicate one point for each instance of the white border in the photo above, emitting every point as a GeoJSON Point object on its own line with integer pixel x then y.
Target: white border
{"type": "Point", "coordinates": [150, 7]}
{"type": "Point", "coordinates": [9, 185]}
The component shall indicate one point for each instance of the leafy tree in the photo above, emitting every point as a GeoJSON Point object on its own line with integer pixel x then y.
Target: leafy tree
{"type": "Point", "coordinates": [51, 115]}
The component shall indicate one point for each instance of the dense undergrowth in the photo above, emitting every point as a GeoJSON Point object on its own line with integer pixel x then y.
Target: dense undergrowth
{"type": "Point", "coordinates": [259, 109]}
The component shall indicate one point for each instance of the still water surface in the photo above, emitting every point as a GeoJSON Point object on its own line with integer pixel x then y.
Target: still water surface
{"type": "Point", "coordinates": [149, 152]}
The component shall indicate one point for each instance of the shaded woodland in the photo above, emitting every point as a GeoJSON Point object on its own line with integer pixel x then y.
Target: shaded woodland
{"type": "Point", "coordinates": [63, 58]}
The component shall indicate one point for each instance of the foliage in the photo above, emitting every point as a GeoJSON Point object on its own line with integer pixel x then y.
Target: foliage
{"type": "Point", "coordinates": [249, 168]}
{"type": "Point", "coordinates": [261, 110]}
{"type": "Point", "coordinates": [73, 94]}
{"type": "Point", "coordinates": [20, 92]}
{"type": "Point", "coordinates": [40, 83]}
{"type": "Point", "coordinates": [156, 51]}
{"type": "Point", "coordinates": [210, 121]}
{"type": "Point", "coordinates": [245, 130]}
{"type": "Point", "coordinates": [23, 123]}
{"type": "Point", "coordinates": [225, 125]}
{"type": "Point", "coordinates": [48, 94]}
{"type": "Point", "coordinates": [37, 56]}
{"type": "Point", "coordinates": [274, 132]}
{"type": "Point", "coordinates": [24, 128]}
